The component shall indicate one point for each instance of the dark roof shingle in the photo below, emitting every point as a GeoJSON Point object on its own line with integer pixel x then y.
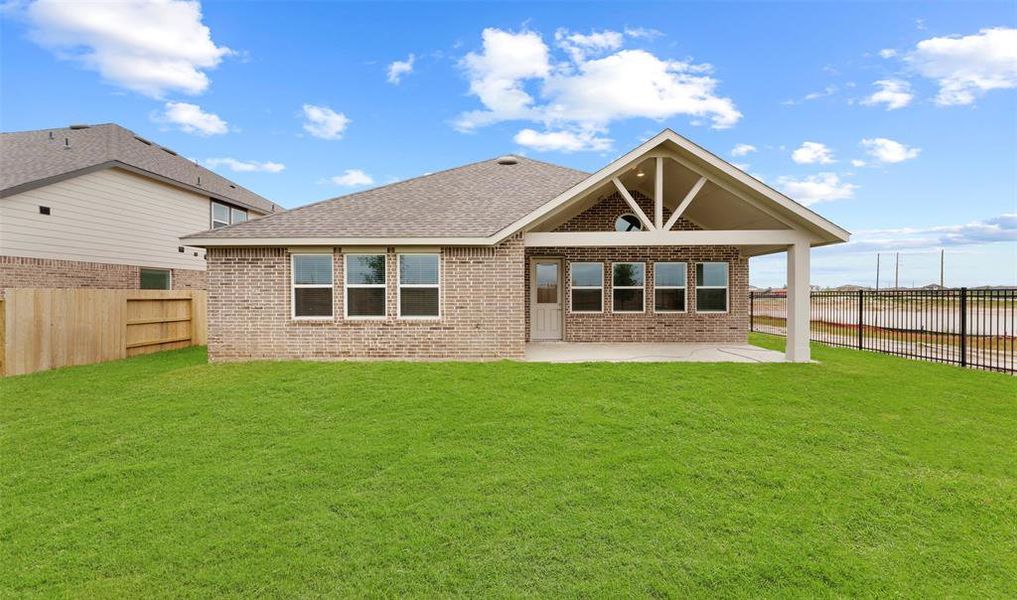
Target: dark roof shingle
{"type": "Point", "coordinates": [28, 157]}
{"type": "Point", "coordinates": [475, 200]}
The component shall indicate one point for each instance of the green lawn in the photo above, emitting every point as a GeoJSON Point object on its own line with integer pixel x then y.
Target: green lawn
{"type": "Point", "coordinates": [166, 476]}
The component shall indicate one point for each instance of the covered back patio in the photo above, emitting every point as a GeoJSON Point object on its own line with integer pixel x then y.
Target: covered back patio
{"type": "Point", "coordinates": [670, 202]}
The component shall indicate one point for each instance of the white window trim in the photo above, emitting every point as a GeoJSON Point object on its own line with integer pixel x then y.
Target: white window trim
{"type": "Point", "coordinates": [294, 285]}
{"type": "Point", "coordinates": [726, 286]}
{"type": "Point", "coordinates": [573, 286]}
{"type": "Point", "coordinates": [169, 278]}
{"type": "Point", "coordinates": [628, 287]}
{"type": "Point", "coordinates": [683, 288]}
{"type": "Point", "coordinates": [347, 286]}
{"type": "Point", "coordinates": [400, 285]}
{"type": "Point", "coordinates": [230, 209]}
{"type": "Point", "coordinates": [628, 214]}
{"type": "Point", "coordinates": [211, 208]}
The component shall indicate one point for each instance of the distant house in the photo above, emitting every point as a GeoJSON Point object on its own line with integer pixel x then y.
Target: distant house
{"type": "Point", "coordinates": [477, 261]}
{"type": "Point", "coordinates": [99, 207]}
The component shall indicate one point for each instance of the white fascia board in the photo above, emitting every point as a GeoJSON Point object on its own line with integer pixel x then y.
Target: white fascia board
{"type": "Point", "coordinates": [216, 242]}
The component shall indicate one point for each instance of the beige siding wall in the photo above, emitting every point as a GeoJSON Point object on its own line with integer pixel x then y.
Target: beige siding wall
{"type": "Point", "coordinates": [109, 216]}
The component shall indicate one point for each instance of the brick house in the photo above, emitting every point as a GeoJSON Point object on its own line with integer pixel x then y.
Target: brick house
{"type": "Point", "coordinates": [477, 261]}
{"type": "Point", "coordinates": [100, 207]}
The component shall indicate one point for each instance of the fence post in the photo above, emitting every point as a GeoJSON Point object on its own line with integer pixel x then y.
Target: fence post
{"type": "Point", "coordinates": [964, 326]}
{"type": "Point", "coordinates": [861, 312]}
{"type": "Point", "coordinates": [752, 311]}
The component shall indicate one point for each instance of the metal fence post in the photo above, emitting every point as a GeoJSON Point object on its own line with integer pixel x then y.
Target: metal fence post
{"type": "Point", "coordinates": [861, 304]}
{"type": "Point", "coordinates": [752, 311]}
{"type": "Point", "coordinates": [964, 326]}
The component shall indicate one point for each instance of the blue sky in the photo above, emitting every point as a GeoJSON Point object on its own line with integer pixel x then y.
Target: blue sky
{"type": "Point", "coordinates": [897, 121]}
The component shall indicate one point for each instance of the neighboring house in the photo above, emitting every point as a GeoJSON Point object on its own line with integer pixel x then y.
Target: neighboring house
{"type": "Point", "coordinates": [476, 261]}
{"type": "Point", "coordinates": [99, 207]}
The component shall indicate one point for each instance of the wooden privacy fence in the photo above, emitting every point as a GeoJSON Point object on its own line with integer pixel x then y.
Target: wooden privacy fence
{"type": "Point", "coordinates": [48, 328]}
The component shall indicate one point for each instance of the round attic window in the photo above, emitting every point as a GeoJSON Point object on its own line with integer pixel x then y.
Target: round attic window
{"type": "Point", "coordinates": [628, 222]}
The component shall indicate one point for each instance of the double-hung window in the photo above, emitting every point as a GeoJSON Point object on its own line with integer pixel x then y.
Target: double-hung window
{"type": "Point", "coordinates": [587, 287]}
{"type": "Point", "coordinates": [220, 215]}
{"type": "Point", "coordinates": [419, 286]}
{"type": "Point", "coordinates": [669, 287]}
{"type": "Point", "coordinates": [711, 287]}
{"type": "Point", "coordinates": [224, 214]}
{"type": "Point", "coordinates": [365, 286]}
{"type": "Point", "coordinates": [312, 286]}
{"type": "Point", "coordinates": [628, 285]}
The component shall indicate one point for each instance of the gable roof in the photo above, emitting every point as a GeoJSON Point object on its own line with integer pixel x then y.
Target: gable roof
{"type": "Point", "coordinates": [486, 202]}
{"type": "Point", "coordinates": [827, 230]}
{"type": "Point", "coordinates": [472, 201]}
{"type": "Point", "coordinates": [30, 159]}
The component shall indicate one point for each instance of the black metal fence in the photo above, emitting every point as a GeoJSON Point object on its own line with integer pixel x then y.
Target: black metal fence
{"type": "Point", "coordinates": [968, 327]}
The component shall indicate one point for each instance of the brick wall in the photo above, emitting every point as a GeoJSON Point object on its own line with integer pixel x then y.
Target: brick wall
{"type": "Point", "coordinates": [22, 272]}
{"type": "Point", "coordinates": [602, 215]}
{"type": "Point", "coordinates": [482, 299]}
{"type": "Point", "coordinates": [648, 326]}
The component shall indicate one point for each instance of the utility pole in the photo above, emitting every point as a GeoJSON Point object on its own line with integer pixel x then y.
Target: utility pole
{"type": "Point", "coordinates": [877, 271]}
{"type": "Point", "coordinates": [896, 273]}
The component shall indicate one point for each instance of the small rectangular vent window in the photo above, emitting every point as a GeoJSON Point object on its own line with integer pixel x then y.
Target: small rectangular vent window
{"type": "Point", "coordinates": [43, 210]}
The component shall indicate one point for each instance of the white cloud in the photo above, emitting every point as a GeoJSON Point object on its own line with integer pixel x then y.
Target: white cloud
{"type": "Point", "coordinates": [580, 46]}
{"type": "Point", "coordinates": [888, 151]}
{"type": "Point", "coordinates": [967, 67]}
{"type": "Point", "coordinates": [887, 53]}
{"type": "Point", "coordinates": [323, 122]}
{"type": "Point", "coordinates": [894, 93]}
{"type": "Point", "coordinates": [644, 33]}
{"type": "Point", "coordinates": [997, 229]}
{"type": "Point", "coordinates": [241, 166]}
{"type": "Point", "coordinates": [562, 141]}
{"type": "Point", "coordinates": [742, 149]}
{"type": "Point", "coordinates": [148, 47]}
{"type": "Point", "coordinates": [587, 94]}
{"type": "Point", "coordinates": [635, 83]}
{"type": "Point", "coordinates": [497, 75]}
{"type": "Point", "coordinates": [190, 118]}
{"type": "Point", "coordinates": [823, 187]}
{"type": "Point", "coordinates": [857, 162]}
{"type": "Point", "coordinates": [827, 91]}
{"type": "Point", "coordinates": [352, 178]}
{"type": "Point", "coordinates": [812, 152]}
{"type": "Point", "coordinates": [397, 69]}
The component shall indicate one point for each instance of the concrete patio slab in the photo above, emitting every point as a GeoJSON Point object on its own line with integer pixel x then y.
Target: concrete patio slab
{"type": "Point", "coordinates": [635, 352]}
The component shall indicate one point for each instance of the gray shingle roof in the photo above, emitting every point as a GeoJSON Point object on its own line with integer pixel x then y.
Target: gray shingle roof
{"type": "Point", "coordinates": [34, 157]}
{"type": "Point", "coordinates": [475, 200]}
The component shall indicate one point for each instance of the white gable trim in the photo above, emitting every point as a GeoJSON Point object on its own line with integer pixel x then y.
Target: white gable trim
{"type": "Point", "coordinates": [624, 162]}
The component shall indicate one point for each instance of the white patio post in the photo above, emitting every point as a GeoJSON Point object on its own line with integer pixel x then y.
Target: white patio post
{"type": "Point", "coordinates": [797, 348]}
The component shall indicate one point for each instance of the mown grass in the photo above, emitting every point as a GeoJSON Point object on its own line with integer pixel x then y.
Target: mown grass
{"type": "Point", "coordinates": [159, 476]}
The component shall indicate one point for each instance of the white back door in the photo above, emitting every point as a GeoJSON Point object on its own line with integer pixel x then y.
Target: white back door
{"type": "Point", "coordinates": [545, 299]}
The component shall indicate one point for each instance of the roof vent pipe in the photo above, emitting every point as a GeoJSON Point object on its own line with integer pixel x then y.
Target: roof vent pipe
{"type": "Point", "coordinates": [508, 159]}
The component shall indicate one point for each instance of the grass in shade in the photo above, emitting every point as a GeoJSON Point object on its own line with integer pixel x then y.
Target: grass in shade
{"type": "Point", "coordinates": [865, 475]}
